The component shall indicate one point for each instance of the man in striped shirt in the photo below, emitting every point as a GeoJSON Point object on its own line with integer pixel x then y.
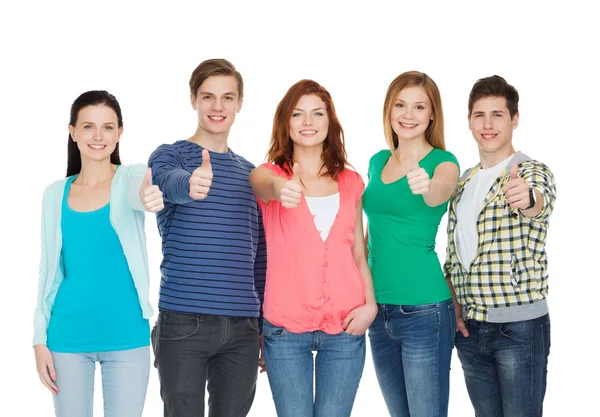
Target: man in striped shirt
{"type": "Point", "coordinates": [214, 258]}
{"type": "Point", "coordinates": [497, 262]}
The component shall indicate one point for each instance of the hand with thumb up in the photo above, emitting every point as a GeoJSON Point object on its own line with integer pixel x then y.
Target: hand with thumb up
{"type": "Point", "coordinates": [201, 178]}
{"type": "Point", "coordinates": [417, 177]}
{"type": "Point", "coordinates": [290, 194]}
{"type": "Point", "coordinates": [516, 190]}
{"type": "Point", "coordinates": [150, 195]}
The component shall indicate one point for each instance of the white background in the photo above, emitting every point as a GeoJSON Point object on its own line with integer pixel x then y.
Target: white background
{"type": "Point", "coordinates": [145, 52]}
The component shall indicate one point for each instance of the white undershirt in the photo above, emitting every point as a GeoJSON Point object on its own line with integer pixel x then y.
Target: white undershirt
{"type": "Point", "coordinates": [324, 210]}
{"type": "Point", "coordinates": [469, 208]}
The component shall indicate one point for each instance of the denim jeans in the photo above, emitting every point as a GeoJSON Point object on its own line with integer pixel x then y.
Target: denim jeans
{"type": "Point", "coordinates": [338, 367]}
{"type": "Point", "coordinates": [124, 382]}
{"type": "Point", "coordinates": [505, 366]}
{"type": "Point", "coordinates": [191, 349]}
{"type": "Point", "coordinates": [412, 349]}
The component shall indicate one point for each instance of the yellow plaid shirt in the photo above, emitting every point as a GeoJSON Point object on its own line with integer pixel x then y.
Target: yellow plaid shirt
{"type": "Point", "coordinates": [510, 268]}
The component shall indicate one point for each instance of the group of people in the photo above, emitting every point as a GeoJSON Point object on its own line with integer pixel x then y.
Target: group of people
{"type": "Point", "coordinates": [264, 266]}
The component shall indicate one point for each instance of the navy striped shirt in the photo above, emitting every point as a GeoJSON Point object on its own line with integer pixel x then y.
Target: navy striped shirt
{"type": "Point", "coordinates": [214, 252]}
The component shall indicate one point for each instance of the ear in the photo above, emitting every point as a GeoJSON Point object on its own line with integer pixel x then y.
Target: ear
{"type": "Point", "coordinates": [515, 121]}
{"type": "Point", "coordinates": [193, 101]}
{"type": "Point", "coordinates": [239, 106]}
{"type": "Point", "coordinates": [119, 133]}
{"type": "Point", "coordinates": [72, 133]}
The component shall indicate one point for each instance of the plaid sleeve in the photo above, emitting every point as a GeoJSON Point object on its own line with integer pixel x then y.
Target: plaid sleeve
{"type": "Point", "coordinates": [541, 179]}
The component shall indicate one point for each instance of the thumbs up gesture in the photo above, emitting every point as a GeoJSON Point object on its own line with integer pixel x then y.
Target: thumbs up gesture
{"type": "Point", "coordinates": [201, 178]}
{"type": "Point", "coordinates": [290, 193]}
{"type": "Point", "coordinates": [150, 195]}
{"type": "Point", "coordinates": [417, 177]}
{"type": "Point", "coordinates": [516, 190]}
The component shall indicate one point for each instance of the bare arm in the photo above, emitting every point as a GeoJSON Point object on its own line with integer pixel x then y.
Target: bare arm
{"type": "Point", "coordinates": [269, 186]}
{"type": "Point", "coordinates": [359, 319]}
{"type": "Point", "coordinates": [266, 184]}
{"type": "Point", "coordinates": [442, 185]}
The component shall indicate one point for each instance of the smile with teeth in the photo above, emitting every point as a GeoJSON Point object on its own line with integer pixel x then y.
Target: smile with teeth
{"type": "Point", "coordinates": [488, 136]}
{"type": "Point", "coordinates": [97, 146]}
{"type": "Point", "coordinates": [408, 125]}
{"type": "Point", "coordinates": [308, 132]}
{"type": "Point", "coordinates": [216, 118]}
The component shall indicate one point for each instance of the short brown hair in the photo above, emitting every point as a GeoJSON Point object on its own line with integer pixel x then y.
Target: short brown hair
{"type": "Point", "coordinates": [212, 67]}
{"type": "Point", "coordinates": [435, 131]}
{"type": "Point", "coordinates": [495, 86]}
{"type": "Point", "coordinates": [281, 148]}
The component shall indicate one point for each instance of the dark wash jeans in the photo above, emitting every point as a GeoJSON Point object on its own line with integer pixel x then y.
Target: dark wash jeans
{"type": "Point", "coordinates": [505, 366]}
{"type": "Point", "coordinates": [191, 349]}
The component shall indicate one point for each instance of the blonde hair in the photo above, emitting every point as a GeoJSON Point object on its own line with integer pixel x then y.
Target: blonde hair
{"type": "Point", "coordinates": [435, 131]}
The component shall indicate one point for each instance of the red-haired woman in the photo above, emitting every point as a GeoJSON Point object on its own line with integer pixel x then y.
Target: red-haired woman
{"type": "Point", "coordinates": [319, 293]}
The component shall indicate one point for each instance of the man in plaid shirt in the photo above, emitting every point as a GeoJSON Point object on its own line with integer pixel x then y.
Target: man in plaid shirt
{"type": "Point", "coordinates": [497, 262]}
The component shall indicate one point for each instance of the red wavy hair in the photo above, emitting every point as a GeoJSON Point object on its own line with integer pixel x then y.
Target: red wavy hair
{"type": "Point", "coordinates": [281, 148]}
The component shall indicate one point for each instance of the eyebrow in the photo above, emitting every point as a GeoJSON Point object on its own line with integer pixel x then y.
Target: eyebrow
{"type": "Point", "coordinates": [318, 108]}
{"type": "Point", "coordinates": [92, 123]}
{"type": "Point", "coordinates": [416, 102]}
{"type": "Point", "coordinates": [229, 93]}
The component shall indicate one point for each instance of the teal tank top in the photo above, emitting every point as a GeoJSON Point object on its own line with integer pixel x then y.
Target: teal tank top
{"type": "Point", "coordinates": [96, 308]}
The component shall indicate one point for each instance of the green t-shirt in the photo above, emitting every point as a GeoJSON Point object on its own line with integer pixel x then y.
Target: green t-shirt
{"type": "Point", "coordinates": [402, 231]}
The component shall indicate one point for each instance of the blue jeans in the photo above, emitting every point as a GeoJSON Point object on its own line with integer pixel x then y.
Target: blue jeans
{"type": "Point", "coordinates": [338, 367]}
{"type": "Point", "coordinates": [412, 349]}
{"type": "Point", "coordinates": [124, 382]}
{"type": "Point", "coordinates": [505, 366]}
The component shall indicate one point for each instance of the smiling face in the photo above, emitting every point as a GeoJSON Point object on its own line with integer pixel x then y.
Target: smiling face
{"type": "Point", "coordinates": [492, 127]}
{"type": "Point", "coordinates": [217, 102]}
{"type": "Point", "coordinates": [411, 113]}
{"type": "Point", "coordinates": [309, 123]}
{"type": "Point", "coordinates": [96, 132]}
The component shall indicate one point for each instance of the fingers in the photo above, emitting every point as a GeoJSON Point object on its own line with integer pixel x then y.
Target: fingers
{"type": "Point", "coordinates": [206, 160]}
{"type": "Point", "coordinates": [147, 178]}
{"type": "Point", "coordinates": [201, 179]}
{"type": "Point", "coordinates": [418, 181]}
{"type": "Point", "coordinates": [296, 173]}
{"type": "Point", "coordinates": [462, 327]}
{"type": "Point", "coordinates": [415, 161]}
{"type": "Point", "coordinates": [48, 376]}
{"type": "Point", "coordinates": [347, 320]}
{"type": "Point", "coordinates": [514, 172]}
{"type": "Point", "coordinates": [153, 199]}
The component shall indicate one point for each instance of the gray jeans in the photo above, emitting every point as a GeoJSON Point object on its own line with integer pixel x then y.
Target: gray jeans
{"type": "Point", "coordinates": [193, 349]}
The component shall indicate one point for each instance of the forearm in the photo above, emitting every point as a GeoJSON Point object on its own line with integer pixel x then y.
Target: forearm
{"type": "Point", "coordinates": [266, 184]}
{"type": "Point", "coordinates": [439, 192]}
{"type": "Point", "coordinates": [365, 271]}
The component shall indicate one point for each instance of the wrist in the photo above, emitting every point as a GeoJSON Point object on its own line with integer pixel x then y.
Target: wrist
{"type": "Point", "coordinates": [532, 199]}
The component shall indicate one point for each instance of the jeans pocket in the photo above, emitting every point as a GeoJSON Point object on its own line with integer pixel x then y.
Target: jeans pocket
{"type": "Point", "coordinates": [520, 331]}
{"type": "Point", "coordinates": [354, 336]}
{"type": "Point", "coordinates": [271, 331]}
{"type": "Point", "coordinates": [177, 326]}
{"type": "Point", "coordinates": [252, 323]}
{"type": "Point", "coordinates": [418, 310]}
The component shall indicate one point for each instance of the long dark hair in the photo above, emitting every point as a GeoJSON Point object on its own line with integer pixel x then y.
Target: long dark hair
{"type": "Point", "coordinates": [90, 98]}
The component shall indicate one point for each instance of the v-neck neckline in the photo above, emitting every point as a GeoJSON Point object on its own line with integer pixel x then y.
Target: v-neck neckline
{"type": "Point", "coordinates": [304, 206]}
{"type": "Point", "coordinates": [402, 177]}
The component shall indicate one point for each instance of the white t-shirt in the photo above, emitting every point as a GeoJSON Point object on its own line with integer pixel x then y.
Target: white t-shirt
{"type": "Point", "coordinates": [469, 208]}
{"type": "Point", "coordinates": [324, 210]}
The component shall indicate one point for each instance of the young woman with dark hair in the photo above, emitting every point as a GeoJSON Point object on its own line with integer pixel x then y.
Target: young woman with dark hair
{"type": "Point", "coordinates": [92, 303]}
